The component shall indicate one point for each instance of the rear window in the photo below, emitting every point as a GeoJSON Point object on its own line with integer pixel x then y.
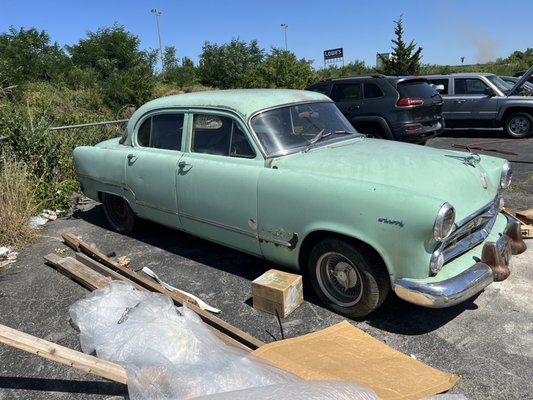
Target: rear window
{"type": "Point", "coordinates": [416, 89]}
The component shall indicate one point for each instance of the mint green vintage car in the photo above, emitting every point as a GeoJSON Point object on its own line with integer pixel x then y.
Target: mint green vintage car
{"type": "Point", "coordinates": [282, 175]}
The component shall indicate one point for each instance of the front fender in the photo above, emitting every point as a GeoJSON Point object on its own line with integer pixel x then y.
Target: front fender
{"type": "Point", "coordinates": [303, 204]}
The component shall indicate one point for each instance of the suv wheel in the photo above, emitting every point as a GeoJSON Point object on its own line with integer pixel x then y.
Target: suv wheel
{"type": "Point", "coordinates": [371, 131]}
{"type": "Point", "coordinates": [518, 125]}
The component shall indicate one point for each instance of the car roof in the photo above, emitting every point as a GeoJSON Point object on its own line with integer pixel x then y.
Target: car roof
{"type": "Point", "coordinates": [244, 102]}
{"type": "Point", "coordinates": [390, 78]}
{"type": "Point", "coordinates": [456, 74]}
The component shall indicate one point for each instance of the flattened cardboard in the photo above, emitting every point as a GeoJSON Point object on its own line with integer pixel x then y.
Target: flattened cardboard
{"type": "Point", "coordinates": [277, 291]}
{"type": "Point", "coordinates": [343, 352]}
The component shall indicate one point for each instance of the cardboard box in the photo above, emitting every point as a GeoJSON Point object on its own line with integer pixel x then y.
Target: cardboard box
{"type": "Point", "coordinates": [277, 290]}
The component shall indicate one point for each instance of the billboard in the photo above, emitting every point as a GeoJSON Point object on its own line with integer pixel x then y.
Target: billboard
{"type": "Point", "coordinates": [333, 54]}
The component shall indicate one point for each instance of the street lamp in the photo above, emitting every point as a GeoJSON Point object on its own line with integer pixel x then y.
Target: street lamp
{"type": "Point", "coordinates": [285, 26]}
{"type": "Point", "coordinates": [157, 15]}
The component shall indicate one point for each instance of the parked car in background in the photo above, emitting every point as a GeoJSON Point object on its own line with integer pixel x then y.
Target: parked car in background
{"type": "Point", "coordinates": [406, 109]}
{"type": "Point", "coordinates": [521, 73]}
{"type": "Point", "coordinates": [527, 88]}
{"type": "Point", "coordinates": [482, 100]}
{"type": "Point", "coordinates": [282, 175]}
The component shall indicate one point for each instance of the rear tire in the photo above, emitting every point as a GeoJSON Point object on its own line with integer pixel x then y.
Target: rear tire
{"type": "Point", "coordinates": [518, 125]}
{"type": "Point", "coordinates": [119, 213]}
{"type": "Point", "coordinates": [347, 280]}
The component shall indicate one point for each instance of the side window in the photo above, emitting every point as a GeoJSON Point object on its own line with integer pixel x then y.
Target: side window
{"type": "Point", "coordinates": [469, 86]}
{"type": "Point", "coordinates": [437, 82]}
{"type": "Point", "coordinates": [372, 91]}
{"type": "Point", "coordinates": [213, 134]}
{"type": "Point", "coordinates": [162, 131]}
{"type": "Point", "coordinates": [320, 89]}
{"type": "Point", "coordinates": [347, 92]}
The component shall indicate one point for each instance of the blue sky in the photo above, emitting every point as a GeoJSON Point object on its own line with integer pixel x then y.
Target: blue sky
{"type": "Point", "coordinates": [477, 30]}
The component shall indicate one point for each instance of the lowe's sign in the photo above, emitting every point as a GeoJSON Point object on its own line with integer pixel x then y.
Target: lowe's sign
{"type": "Point", "coordinates": [333, 54]}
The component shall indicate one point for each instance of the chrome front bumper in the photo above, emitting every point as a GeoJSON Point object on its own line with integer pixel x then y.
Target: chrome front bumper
{"type": "Point", "coordinates": [493, 266]}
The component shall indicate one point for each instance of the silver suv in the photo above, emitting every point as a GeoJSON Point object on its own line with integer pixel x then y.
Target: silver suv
{"type": "Point", "coordinates": [480, 100]}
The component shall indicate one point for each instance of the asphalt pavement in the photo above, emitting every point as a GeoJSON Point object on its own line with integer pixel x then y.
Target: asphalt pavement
{"type": "Point", "coordinates": [488, 340]}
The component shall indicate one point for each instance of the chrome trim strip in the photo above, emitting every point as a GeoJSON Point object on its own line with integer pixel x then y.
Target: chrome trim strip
{"type": "Point", "coordinates": [105, 181]}
{"type": "Point", "coordinates": [289, 244]}
{"type": "Point", "coordinates": [218, 225]}
{"type": "Point", "coordinates": [153, 207]}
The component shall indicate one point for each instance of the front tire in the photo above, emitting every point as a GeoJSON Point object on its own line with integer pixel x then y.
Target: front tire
{"type": "Point", "coordinates": [119, 213]}
{"type": "Point", "coordinates": [347, 280]}
{"type": "Point", "coordinates": [519, 125]}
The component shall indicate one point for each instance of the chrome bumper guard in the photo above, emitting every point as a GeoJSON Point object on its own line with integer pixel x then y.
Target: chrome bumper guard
{"type": "Point", "coordinates": [493, 266]}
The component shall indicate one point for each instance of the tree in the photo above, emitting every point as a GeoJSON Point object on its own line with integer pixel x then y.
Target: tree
{"type": "Point", "coordinates": [353, 68]}
{"type": "Point", "coordinates": [226, 66]}
{"type": "Point", "coordinates": [28, 56]}
{"type": "Point", "coordinates": [124, 72]}
{"type": "Point", "coordinates": [281, 69]}
{"type": "Point", "coordinates": [404, 60]}
{"type": "Point", "coordinates": [181, 75]}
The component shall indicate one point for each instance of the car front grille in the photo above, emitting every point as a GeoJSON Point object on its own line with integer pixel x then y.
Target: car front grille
{"type": "Point", "coordinates": [470, 231]}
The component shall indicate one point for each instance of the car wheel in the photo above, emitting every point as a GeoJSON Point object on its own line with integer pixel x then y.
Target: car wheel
{"type": "Point", "coordinates": [372, 131]}
{"type": "Point", "coordinates": [347, 280]}
{"type": "Point", "coordinates": [519, 125]}
{"type": "Point", "coordinates": [119, 213]}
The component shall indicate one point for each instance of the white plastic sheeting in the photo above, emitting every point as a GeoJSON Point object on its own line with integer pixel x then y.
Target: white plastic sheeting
{"type": "Point", "coordinates": [170, 353]}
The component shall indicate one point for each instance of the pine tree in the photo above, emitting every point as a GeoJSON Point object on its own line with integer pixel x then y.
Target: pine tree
{"type": "Point", "coordinates": [404, 60]}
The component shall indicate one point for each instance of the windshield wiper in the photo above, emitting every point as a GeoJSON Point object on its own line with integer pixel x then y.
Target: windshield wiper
{"type": "Point", "coordinates": [321, 136]}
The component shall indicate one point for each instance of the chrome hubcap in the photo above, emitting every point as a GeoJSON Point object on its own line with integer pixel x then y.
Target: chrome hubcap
{"type": "Point", "coordinates": [339, 279]}
{"type": "Point", "coordinates": [519, 125]}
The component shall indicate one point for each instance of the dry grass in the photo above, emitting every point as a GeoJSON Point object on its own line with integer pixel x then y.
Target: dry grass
{"type": "Point", "coordinates": [17, 194]}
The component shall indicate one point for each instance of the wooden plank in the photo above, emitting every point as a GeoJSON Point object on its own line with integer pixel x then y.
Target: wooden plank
{"type": "Point", "coordinates": [63, 355]}
{"type": "Point", "coordinates": [91, 283]}
{"type": "Point", "coordinates": [178, 298]}
{"type": "Point", "coordinates": [78, 272]}
{"type": "Point", "coordinates": [526, 216]}
{"type": "Point", "coordinates": [101, 269]}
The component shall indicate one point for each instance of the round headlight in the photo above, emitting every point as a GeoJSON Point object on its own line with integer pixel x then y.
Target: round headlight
{"type": "Point", "coordinates": [444, 222]}
{"type": "Point", "coordinates": [507, 174]}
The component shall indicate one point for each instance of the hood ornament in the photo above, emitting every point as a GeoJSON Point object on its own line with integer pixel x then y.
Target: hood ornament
{"type": "Point", "coordinates": [472, 159]}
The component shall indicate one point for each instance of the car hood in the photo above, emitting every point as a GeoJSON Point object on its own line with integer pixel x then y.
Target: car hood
{"type": "Point", "coordinates": [518, 85]}
{"type": "Point", "coordinates": [442, 174]}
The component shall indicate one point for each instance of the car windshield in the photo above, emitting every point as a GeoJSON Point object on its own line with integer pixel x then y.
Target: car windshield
{"type": "Point", "coordinates": [499, 83]}
{"type": "Point", "coordinates": [298, 127]}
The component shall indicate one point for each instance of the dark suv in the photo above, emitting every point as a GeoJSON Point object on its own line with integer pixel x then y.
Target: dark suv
{"type": "Point", "coordinates": [396, 108]}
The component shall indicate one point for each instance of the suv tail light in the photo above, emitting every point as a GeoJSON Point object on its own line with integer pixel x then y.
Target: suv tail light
{"type": "Point", "coordinates": [411, 101]}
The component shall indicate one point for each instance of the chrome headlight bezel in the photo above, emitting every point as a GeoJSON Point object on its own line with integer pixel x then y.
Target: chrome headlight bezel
{"type": "Point", "coordinates": [506, 175]}
{"type": "Point", "coordinates": [444, 223]}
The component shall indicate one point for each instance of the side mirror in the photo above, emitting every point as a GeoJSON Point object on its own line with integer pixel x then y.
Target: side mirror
{"type": "Point", "coordinates": [490, 92]}
{"type": "Point", "coordinates": [439, 88]}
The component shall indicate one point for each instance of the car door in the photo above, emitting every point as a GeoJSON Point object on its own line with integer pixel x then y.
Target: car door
{"type": "Point", "coordinates": [470, 105]}
{"type": "Point", "coordinates": [152, 167]}
{"type": "Point", "coordinates": [349, 98]}
{"type": "Point", "coordinates": [217, 182]}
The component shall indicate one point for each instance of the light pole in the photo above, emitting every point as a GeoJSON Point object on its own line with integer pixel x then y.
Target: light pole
{"type": "Point", "coordinates": [285, 26]}
{"type": "Point", "coordinates": [157, 15]}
